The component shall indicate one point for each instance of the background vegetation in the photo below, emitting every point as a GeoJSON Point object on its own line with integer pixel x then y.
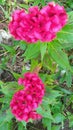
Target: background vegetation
{"type": "Point", "coordinates": [56, 71]}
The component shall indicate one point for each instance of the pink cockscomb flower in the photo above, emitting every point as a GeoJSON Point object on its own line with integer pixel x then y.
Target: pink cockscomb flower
{"type": "Point", "coordinates": [34, 84]}
{"type": "Point", "coordinates": [23, 25]}
{"type": "Point", "coordinates": [22, 106]}
{"type": "Point", "coordinates": [57, 16]}
{"type": "Point", "coordinates": [24, 102]}
{"type": "Point", "coordinates": [38, 24]}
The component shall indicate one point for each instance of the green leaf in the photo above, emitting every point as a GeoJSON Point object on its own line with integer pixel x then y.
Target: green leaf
{"type": "Point", "coordinates": [65, 91]}
{"type": "Point", "coordinates": [2, 118]}
{"type": "Point", "coordinates": [70, 17]}
{"type": "Point", "coordinates": [47, 123]}
{"type": "Point", "coordinates": [24, 124]}
{"type": "Point", "coordinates": [48, 64]}
{"type": "Point", "coordinates": [32, 51]}
{"type": "Point", "coordinates": [22, 45]}
{"type": "Point", "coordinates": [70, 120]}
{"type": "Point", "coordinates": [10, 125]}
{"type": "Point", "coordinates": [58, 55]}
{"type": "Point", "coordinates": [21, 126]}
{"type": "Point", "coordinates": [34, 63]}
{"type": "Point", "coordinates": [13, 59]}
{"type": "Point", "coordinates": [58, 117]}
{"type": "Point", "coordinates": [71, 57]}
{"type": "Point", "coordinates": [54, 94]}
{"type": "Point", "coordinates": [43, 2]}
{"type": "Point", "coordinates": [9, 115]}
{"type": "Point", "coordinates": [68, 79]}
{"type": "Point", "coordinates": [5, 118]}
{"type": "Point", "coordinates": [65, 36]}
{"type": "Point", "coordinates": [36, 2]}
{"type": "Point", "coordinates": [4, 126]}
{"type": "Point", "coordinates": [56, 127]}
{"type": "Point", "coordinates": [1, 100]}
{"type": "Point", "coordinates": [1, 83]}
{"type": "Point", "coordinates": [16, 75]}
{"type": "Point", "coordinates": [46, 113]}
{"type": "Point", "coordinates": [1, 1]}
{"type": "Point", "coordinates": [43, 47]}
{"type": "Point", "coordinates": [8, 48]}
{"type": "Point", "coordinates": [25, 6]}
{"type": "Point", "coordinates": [10, 88]}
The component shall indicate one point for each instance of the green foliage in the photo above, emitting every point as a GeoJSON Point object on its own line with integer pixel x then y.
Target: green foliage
{"type": "Point", "coordinates": [53, 58]}
{"type": "Point", "coordinates": [4, 126]}
{"type": "Point", "coordinates": [56, 127]}
{"type": "Point", "coordinates": [69, 79]}
{"type": "Point", "coordinates": [6, 119]}
{"type": "Point", "coordinates": [22, 45]}
{"type": "Point", "coordinates": [43, 48]}
{"type": "Point", "coordinates": [58, 55]}
{"type": "Point", "coordinates": [21, 126]}
{"type": "Point", "coordinates": [8, 48]}
{"type": "Point", "coordinates": [58, 117]}
{"type": "Point", "coordinates": [32, 51]}
{"type": "Point", "coordinates": [47, 123]}
{"type": "Point", "coordinates": [51, 110]}
{"type": "Point", "coordinates": [45, 112]}
{"type": "Point", "coordinates": [70, 17]}
{"type": "Point", "coordinates": [2, 2]}
{"type": "Point", "coordinates": [70, 117]}
{"type": "Point", "coordinates": [65, 36]}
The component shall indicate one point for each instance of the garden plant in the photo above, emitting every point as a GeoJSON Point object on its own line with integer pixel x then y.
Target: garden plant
{"type": "Point", "coordinates": [41, 90]}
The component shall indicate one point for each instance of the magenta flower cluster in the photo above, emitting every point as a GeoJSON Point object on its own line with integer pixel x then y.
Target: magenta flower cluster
{"type": "Point", "coordinates": [24, 102]}
{"type": "Point", "coordinates": [38, 24]}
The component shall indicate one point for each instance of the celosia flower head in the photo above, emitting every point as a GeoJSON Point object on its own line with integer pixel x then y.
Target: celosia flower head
{"type": "Point", "coordinates": [22, 106]}
{"type": "Point", "coordinates": [38, 24]}
{"type": "Point", "coordinates": [32, 82]}
{"type": "Point", "coordinates": [24, 102]}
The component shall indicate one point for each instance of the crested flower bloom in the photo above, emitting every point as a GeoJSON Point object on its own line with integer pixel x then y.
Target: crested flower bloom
{"type": "Point", "coordinates": [34, 84]}
{"type": "Point", "coordinates": [23, 25]}
{"type": "Point", "coordinates": [24, 102]}
{"type": "Point", "coordinates": [22, 106]}
{"type": "Point", "coordinates": [38, 24]}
